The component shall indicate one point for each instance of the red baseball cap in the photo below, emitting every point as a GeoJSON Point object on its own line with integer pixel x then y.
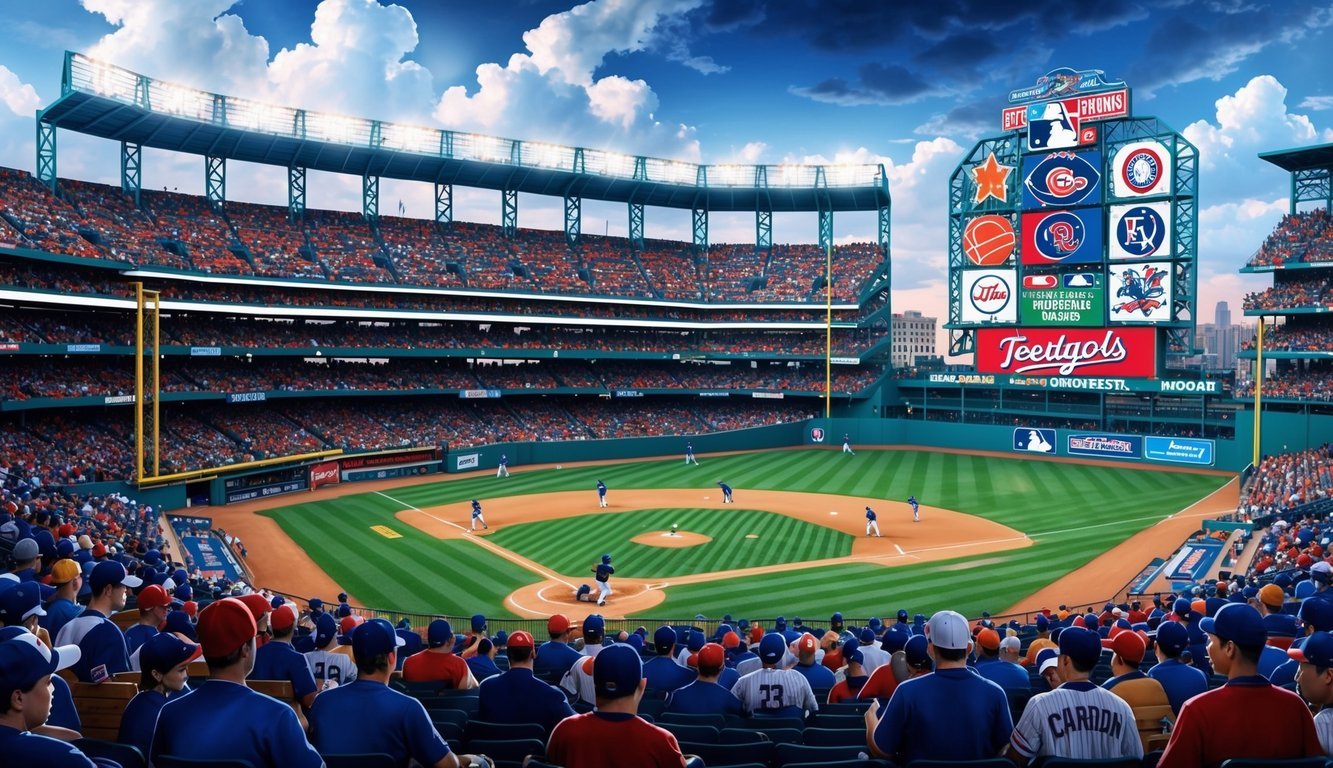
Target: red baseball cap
{"type": "Point", "coordinates": [257, 605]}
{"type": "Point", "coordinates": [521, 639]}
{"type": "Point", "coordinates": [556, 625]}
{"type": "Point", "coordinates": [712, 655]}
{"type": "Point", "coordinates": [1128, 646]}
{"type": "Point", "coordinates": [283, 618]}
{"type": "Point", "coordinates": [806, 643]}
{"type": "Point", "coordinates": [731, 640]}
{"type": "Point", "coordinates": [225, 626]}
{"type": "Point", "coordinates": [348, 624]}
{"type": "Point", "coordinates": [152, 596]}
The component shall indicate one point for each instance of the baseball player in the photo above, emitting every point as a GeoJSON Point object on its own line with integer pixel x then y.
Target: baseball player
{"type": "Point", "coordinates": [872, 522]}
{"type": "Point", "coordinates": [604, 571]}
{"type": "Point", "coordinates": [916, 509]}
{"type": "Point", "coordinates": [847, 444]}
{"type": "Point", "coordinates": [476, 515]}
{"type": "Point", "coordinates": [601, 494]}
{"type": "Point", "coordinates": [503, 469]}
{"type": "Point", "coordinates": [726, 492]}
{"type": "Point", "coordinates": [689, 454]}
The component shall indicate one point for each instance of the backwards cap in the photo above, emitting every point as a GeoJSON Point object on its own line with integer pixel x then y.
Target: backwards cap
{"type": "Point", "coordinates": [616, 672]}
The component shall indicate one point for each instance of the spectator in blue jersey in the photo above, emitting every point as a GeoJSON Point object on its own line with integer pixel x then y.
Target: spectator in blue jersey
{"type": "Point", "coordinates": [1007, 675]}
{"type": "Point", "coordinates": [153, 603]}
{"type": "Point", "coordinates": [662, 672]}
{"type": "Point", "coordinates": [555, 656]}
{"type": "Point", "coordinates": [517, 696]}
{"type": "Point", "coordinates": [1317, 616]}
{"type": "Point", "coordinates": [951, 714]}
{"type": "Point", "coordinates": [67, 578]}
{"type": "Point", "coordinates": [101, 643]}
{"type": "Point", "coordinates": [26, 668]}
{"type": "Point", "coordinates": [367, 716]}
{"type": "Point", "coordinates": [251, 726]}
{"type": "Point", "coordinates": [818, 675]}
{"type": "Point", "coordinates": [278, 660]}
{"type": "Point", "coordinates": [63, 722]}
{"type": "Point", "coordinates": [482, 663]}
{"type": "Point", "coordinates": [163, 663]}
{"type": "Point", "coordinates": [1180, 680]}
{"type": "Point", "coordinates": [411, 641]}
{"type": "Point", "coordinates": [705, 696]}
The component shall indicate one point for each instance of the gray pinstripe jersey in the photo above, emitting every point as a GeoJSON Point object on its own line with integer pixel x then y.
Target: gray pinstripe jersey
{"type": "Point", "coordinates": [1077, 720]}
{"type": "Point", "coordinates": [769, 689]}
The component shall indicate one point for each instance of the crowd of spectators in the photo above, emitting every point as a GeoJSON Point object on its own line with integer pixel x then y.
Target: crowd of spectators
{"type": "Point", "coordinates": [1315, 293]}
{"type": "Point", "coordinates": [1303, 237]}
{"type": "Point", "coordinates": [1287, 480]}
{"type": "Point", "coordinates": [1312, 385]}
{"type": "Point", "coordinates": [1297, 334]}
{"type": "Point", "coordinates": [170, 230]}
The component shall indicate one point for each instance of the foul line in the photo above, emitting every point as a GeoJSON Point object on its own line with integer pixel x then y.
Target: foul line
{"type": "Point", "coordinates": [481, 542]}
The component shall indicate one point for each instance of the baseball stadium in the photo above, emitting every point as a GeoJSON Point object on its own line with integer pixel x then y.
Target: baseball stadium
{"type": "Point", "coordinates": [518, 432]}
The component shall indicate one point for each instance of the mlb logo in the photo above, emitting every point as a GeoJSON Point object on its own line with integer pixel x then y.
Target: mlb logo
{"type": "Point", "coordinates": [1034, 440]}
{"type": "Point", "coordinates": [1053, 125]}
{"type": "Point", "coordinates": [1082, 280]}
{"type": "Point", "coordinates": [817, 435]}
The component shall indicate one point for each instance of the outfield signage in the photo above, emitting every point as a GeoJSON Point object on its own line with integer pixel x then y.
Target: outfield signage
{"type": "Point", "coordinates": [247, 397]}
{"type": "Point", "coordinates": [1113, 446]}
{"type": "Point", "coordinates": [1062, 299]}
{"type": "Point", "coordinates": [263, 491]}
{"type": "Point", "coordinates": [467, 461]}
{"type": "Point", "coordinates": [962, 378]}
{"type": "Point", "coordinates": [1076, 383]}
{"type": "Point", "coordinates": [118, 399]}
{"type": "Point", "coordinates": [478, 394]}
{"type": "Point", "coordinates": [1143, 294]}
{"type": "Point", "coordinates": [1058, 238]}
{"type": "Point", "coordinates": [1034, 440]}
{"type": "Point", "coordinates": [1121, 352]}
{"type": "Point", "coordinates": [988, 296]}
{"type": "Point", "coordinates": [389, 459]}
{"type": "Point", "coordinates": [1179, 450]}
{"type": "Point", "coordinates": [324, 473]}
{"type": "Point", "coordinates": [83, 348]}
{"type": "Point", "coordinates": [205, 351]}
{"type": "Point", "coordinates": [767, 395]}
{"type": "Point", "coordinates": [628, 393]}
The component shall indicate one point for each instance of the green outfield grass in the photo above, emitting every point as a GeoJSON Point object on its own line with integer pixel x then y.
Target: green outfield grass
{"type": "Point", "coordinates": [778, 539]}
{"type": "Point", "coordinates": [1072, 512]}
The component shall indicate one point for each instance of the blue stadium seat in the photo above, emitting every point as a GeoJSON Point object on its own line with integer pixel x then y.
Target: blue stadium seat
{"type": "Point", "coordinates": [167, 761]}
{"type": "Point", "coordinates": [1069, 762]}
{"type": "Point", "coordinates": [481, 729]}
{"type": "Point", "coordinates": [1297, 762]}
{"type": "Point", "coordinates": [369, 760]}
{"type": "Point", "coordinates": [124, 754]}
{"type": "Point", "coordinates": [832, 720]}
{"type": "Point", "coordinates": [507, 753]}
{"type": "Point", "coordinates": [790, 754]}
{"type": "Point", "coordinates": [717, 721]}
{"type": "Point", "coordinates": [703, 734]}
{"type": "Point", "coordinates": [834, 737]}
{"type": "Point", "coordinates": [992, 762]}
{"type": "Point", "coordinates": [724, 754]}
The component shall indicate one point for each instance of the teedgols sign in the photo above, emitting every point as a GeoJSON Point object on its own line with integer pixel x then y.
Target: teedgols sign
{"type": "Point", "coordinates": [1127, 352]}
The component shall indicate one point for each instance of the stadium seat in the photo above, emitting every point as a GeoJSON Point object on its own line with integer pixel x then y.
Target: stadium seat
{"type": "Point", "coordinates": [834, 737]}
{"type": "Point", "coordinates": [789, 754]}
{"type": "Point", "coordinates": [762, 722]}
{"type": "Point", "coordinates": [168, 761]}
{"type": "Point", "coordinates": [369, 760]}
{"type": "Point", "coordinates": [856, 707]}
{"type": "Point", "coordinates": [717, 721]}
{"type": "Point", "coordinates": [100, 706]}
{"type": "Point", "coordinates": [866, 763]}
{"type": "Point", "coordinates": [1149, 722]}
{"type": "Point", "coordinates": [123, 754]}
{"type": "Point", "coordinates": [832, 721]}
{"type": "Point", "coordinates": [505, 752]}
{"type": "Point", "coordinates": [775, 735]}
{"type": "Point", "coordinates": [455, 718]}
{"type": "Point", "coordinates": [723, 754]}
{"type": "Point", "coordinates": [1069, 762]}
{"type": "Point", "coordinates": [652, 707]}
{"type": "Point", "coordinates": [991, 762]}
{"type": "Point", "coordinates": [704, 734]}
{"type": "Point", "coordinates": [1297, 762]}
{"type": "Point", "coordinates": [481, 729]}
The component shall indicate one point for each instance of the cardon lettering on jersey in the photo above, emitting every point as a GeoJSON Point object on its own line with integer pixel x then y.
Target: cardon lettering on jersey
{"type": "Point", "coordinates": [1071, 719]}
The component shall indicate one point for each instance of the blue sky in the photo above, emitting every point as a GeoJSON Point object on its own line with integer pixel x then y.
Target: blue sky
{"type": "Point", "coordinates": [716, 81]}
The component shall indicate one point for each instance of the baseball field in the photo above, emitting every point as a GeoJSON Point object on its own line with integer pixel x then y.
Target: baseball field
{"type": "Point", "coordinates": [994, 530]}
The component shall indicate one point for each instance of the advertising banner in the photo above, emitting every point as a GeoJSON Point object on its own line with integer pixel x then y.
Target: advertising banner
{"type": "Point", "coordinates": [1113, 446]}
{"type": "Point", "coordinates": [1078, 383]}
{"type": "Point", "coordinates": [628, 393]}
{"type": "Point", "coordinates": [1063, 299]}
{"type": "Point", "coordinates": [1193, 560]}
{"type": "Point", "coordinates": [1120, 352]}
{"type": "Point", "coordinates": [267, 490]}
{"type": "Point", "coordinates": [83, 348]}
{"type": "Point", "coordinates": [767, 395]}
{"type": "Point", "coordinates": [1090, 108]}
{"type": "Point", "coordinates": [1142, 293]}
{"type": "Point", "coordinates": [389, 459]}
{"type": "Point", "coordinates": [478, 394]}
{"type": "Point", "coordinates": [816, 434]}
{"type": "Point", "coordinates": [467, 461]}
{"type": "Point", "coordinates": [988, 296]}
{"type": "Point", "coordinates": [1141, 168]}
{"type": "Point", "coordinates": [324, 473]}
{"type": "Point", "coordinates": [247, 397]}
{"type": "Point", "coordinates": [1181, 450]}
{"type": "Point", "coordinates": [1062, 180]}
{"type": "Point", "coordinates": [1034, 440]}
{"type": "Point", "coordinates": [205, 351]}
{"type": "Point", "coordinates": [1057, 125]}
{"type": "Point", "coordinates": [1056, 238]}
{"type": "Point", "coordinates": [1140, 231]}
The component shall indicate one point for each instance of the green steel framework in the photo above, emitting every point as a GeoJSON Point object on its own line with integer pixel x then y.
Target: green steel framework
{"type": "Point", "coordinates": [1184, 196]}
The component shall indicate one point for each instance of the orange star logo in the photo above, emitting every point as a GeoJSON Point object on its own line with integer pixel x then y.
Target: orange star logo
{"type": "Point", "coordinates": [989, 179]}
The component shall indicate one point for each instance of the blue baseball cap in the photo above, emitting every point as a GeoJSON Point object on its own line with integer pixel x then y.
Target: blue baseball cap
{"type": "Point", "coordinates": [21, 601]}
{"type": "Point", "coordinates": [1042, 622]}
{"type": "Point", "coordinates": [1172, 638]}
{"type": "Point", "coordinates": [780, 623]}
{"type": "Point", "coordinates": [915, 650]}
{"type": "Point", "coordinates": [1047, 658]}
{"type": "Point", "coordinates": [178, 622]}
{"type": "Point", "coordinates": [867, 636]}
{"type": "Point", "coordinates": [772, 648]}
{"type": "Point", "coordinates": [439, 633]}
{"type": "Point", "coordinates": [853, 656]}
{"type": "Point", "coordinates": [1317, 649]}
{"type": "Point", "coordinates": [478, 622]}
{"type": "Point", "coordinates": [1317, 613]}
{"type": "Point", "coordinates": [594, 625]}
{"type": "Point", "coordinates": [616, 672]}
{"type": "Point", "coordinates": [1239, 623]}
{"type": "Point", "coordinates": [664, 639]}
{"type": "Point", "coordinates": [1181, 607]}
{"type": "Point", "coordinates": [374, 638]}
{"type": "Point", "coordinates": [24, 660]}
{"type": "Point", "coordinates": [110, 572]}
{"type": "Point", "coordinates": [326, 628]}
{"type": "Point", "coordinates": [165, 651]}
{"type": "Point", "coordinates": [1082, 646]}
{"type": "Point", "coordinates": [895, 638]}
{"type": "Point", "coordinates": [696, 641]}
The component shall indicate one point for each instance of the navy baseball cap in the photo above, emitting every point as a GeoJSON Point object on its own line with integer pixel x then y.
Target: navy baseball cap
{"type": "Point", "coordinates": [1080, 645]}
{"type": "Point", "coordinates": [853, 656]}
{"type": "Point", "coordinates": [1181, 607]}
{"type": "Point", "coordinates": [780, 623]}
{"type": "Point", "coordinates": [772, 648]}
{"type": "Point", "coordinates": [867, 636]}
{"type": "Point", "coordinates": [1317, 649]}
{"type": "Point", "coordinates": [895, 638]}
{"type": "Point", "coordinates": [326, 628]}
{"type": "Point", "coordinates": [1047, 658]}
{"type": "Point", "coordinates": [696, 641]}
{"type": "Point", "coordinates": [1042, 623]}
{"type": "Point", "coordinates": [616, 672]}
{"type": "Point", "coordinates": [1237, 622]}
{"type": "Point", "coordinates": [316, 604]}
{"type": "Point", "coordinates": [664, 639]}
{"type": "Point", "coordinates": [20, 602]}
{"type": "Point", "coordinates": [110, 572]}
{"type": "Point", "coordinates": [439, 633]}
{"type": "Point", "coordinates": [915, 650]}
{"type": "Point", "coordinates": [374, 638]}
{"type": "Point", "coordinates": [836, 619]}
{"type": "Point", "coordinates": [1317, 613]}
{"type": "Point", "coordinates": [165, 651]}
{"type": "Point", "coordinates": [594, 625]}
{"type": "Point", "coordinates": [178, 622]}
{"type": "Point", "coordinates": [24, 660]}
{"type": "Point", "coordinates": [478, 622]}
{"type": "Point", "coordinates": [1172, 638]}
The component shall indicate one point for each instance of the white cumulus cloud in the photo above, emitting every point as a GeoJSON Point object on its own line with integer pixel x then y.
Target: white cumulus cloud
{"type": "Point", "coordinates": [20, 97]}
{"type": "Point", "coordinates": [1254, 119]}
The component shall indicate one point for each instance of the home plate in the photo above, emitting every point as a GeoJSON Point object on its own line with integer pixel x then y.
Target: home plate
{"type": "Point", "coordinates": [833, 513]}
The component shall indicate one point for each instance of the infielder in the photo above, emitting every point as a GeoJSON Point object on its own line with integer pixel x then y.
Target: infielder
{"type": "Point", "coordinates": [847, 444]}
{"type": "Point", "coordinates": [604, 571]}
{"type": "Point", "coordinates": [601, 494]}
{"type": "Point", "coordinates": [872, 522]}
{"type": "Point", "coordinates": [689, 454]}
{"type": "Point", "coordinates": [503, 470]}
{"type": "Point", "coordinates": [916, 509]}
{"type": "Point", "coordinates": [726, 492]}
{"type": "Point", "coordinates": [476, 515]}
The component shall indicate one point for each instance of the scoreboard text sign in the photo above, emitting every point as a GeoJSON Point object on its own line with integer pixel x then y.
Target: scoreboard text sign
{"type": "Point", "coordinates": [1073, 299]}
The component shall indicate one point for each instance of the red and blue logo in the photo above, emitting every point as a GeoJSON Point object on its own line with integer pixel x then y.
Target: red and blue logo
{"type": "Point", "coordinates": [1140, 231]}
{"type": "Point", "coordinates": [1062, 237]}
{"type": "Point", "coordinates": [1061, 179]}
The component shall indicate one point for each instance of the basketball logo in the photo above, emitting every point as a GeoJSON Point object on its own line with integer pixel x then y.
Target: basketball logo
{"type": "Point", "coordinates": [989, 241]}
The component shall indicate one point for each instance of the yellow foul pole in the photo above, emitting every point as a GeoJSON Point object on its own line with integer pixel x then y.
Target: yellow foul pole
{"type": "Point", "coordinates": [1258, 387]}
{"type": "Point", "coordinates": [138, 383]}
{"type": "Point", "coordinates": [828, 331]}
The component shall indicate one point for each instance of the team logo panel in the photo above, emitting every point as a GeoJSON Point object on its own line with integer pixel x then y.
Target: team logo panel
{"type": "Point", "coordinates": [1141, 168]}
{"type": "Point", "coordinates": [1142, 295]}
{"type": "Point", "coordinates": [1062, 179]}
{"type": "Point", "coordinates": [1062, 237]}
{"type": "Point", "coordinates": [988, 296]}
{"type": "Point", "coordinates": [988, 241]}
{"type": "Point", "coordinates": [1140, 231]}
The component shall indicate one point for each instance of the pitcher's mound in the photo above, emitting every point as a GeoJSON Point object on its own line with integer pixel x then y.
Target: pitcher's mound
{"type": "Point", "coordinates": [665, 539]}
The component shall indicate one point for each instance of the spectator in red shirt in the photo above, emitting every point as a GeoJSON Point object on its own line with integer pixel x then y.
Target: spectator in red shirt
{"type": "Point", "coordinates": [439, 662]}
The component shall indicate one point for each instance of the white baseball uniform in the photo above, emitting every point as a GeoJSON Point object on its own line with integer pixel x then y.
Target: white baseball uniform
{"type": "Point", "coordinates": [773, 689]}
{"type": "Point", "coordinates": [1080, 721]}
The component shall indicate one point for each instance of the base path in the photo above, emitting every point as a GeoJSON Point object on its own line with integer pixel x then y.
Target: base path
{"type": "Point", "coordinates": [940, 535]}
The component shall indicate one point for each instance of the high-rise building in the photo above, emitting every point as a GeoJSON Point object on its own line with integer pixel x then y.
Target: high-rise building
{"type": "Point", "coordinates": [913, 337]}
{"type": "Point", "coordinates": [1220, 340]}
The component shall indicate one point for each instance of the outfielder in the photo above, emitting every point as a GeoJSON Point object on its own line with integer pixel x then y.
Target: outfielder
{"type": "Point", "coordinates": [847, 444]}
{"type": "Point", "coordinates": [601, 494]}
{"type": "Point", "coordinates": [604, 571]}
{"type": "Point", "coordinates": [872, 522]}
{"type": "Point", "coordinates": [916, 509]}
{"type": "Point", "coordinates": [476, 515]}
{"type": "Point", "coordinates": [726, 492]}
{"type": "Point", "coordinates": [503, 470]}
{"type": "Point", "coordinates": [689, 454]}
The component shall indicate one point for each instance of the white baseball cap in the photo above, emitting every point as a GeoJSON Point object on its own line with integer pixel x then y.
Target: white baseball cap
{"type": "Point", "coordinates": [948, 629]}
